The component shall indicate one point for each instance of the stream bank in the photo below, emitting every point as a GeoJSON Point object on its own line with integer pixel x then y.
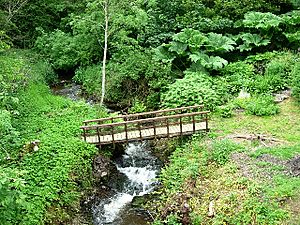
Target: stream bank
{"type": "Point", "coordinates": [128, 174]}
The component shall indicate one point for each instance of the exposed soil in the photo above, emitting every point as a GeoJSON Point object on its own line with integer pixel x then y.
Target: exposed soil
{"type": "Point", "coordinates": [294, 165]}
{"type": "Point", "coordinates": [266, 166]}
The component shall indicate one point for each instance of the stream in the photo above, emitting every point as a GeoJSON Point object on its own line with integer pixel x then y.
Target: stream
{"type": "Point", "coordinates": [138, 170]}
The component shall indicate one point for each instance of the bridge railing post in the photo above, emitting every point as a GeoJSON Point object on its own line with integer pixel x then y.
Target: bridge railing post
{"type": "Point", "coordinates": [98, 134]}
{"type": "Point", "coordinates": [206, 122]}
{"type": "Point", "coordinates": [168, 129]}
{"type": "Point", "coordinates": [154, 129]}
{"type": "Point", "coordinates": [126, 132]}
{"type": "Point", "coordinates": [113, 135]}
{"type": "Point", "coordinates": [194, 124]}
{"type": "Point", "coordinates": [180, 121]}
{"type": "Point", "coordinates": [140, 131]}
{"type": "Point", "coordinates": [84, 134]}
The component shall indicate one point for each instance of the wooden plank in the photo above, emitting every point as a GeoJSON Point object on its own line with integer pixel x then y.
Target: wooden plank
{"type": "Point", "coordinates": [147, 133]}
{"type": "Point", "coordinates": [125, 117]}
{"type": "Point", "coordinates": [156, 119]}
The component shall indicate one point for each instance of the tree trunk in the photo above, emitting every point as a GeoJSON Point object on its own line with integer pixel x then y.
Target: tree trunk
{"type": "Point", "coordinates": [104, 52]}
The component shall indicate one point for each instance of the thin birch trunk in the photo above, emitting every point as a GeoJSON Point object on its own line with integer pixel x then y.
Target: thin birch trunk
{"type": "Point", "coordinates": [104, 52]}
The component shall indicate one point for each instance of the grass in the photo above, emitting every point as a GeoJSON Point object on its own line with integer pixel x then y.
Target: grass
{"type": "Point", "coordinates": [284, 126]}
{"type": "Point", "coordinates": [265, 194]}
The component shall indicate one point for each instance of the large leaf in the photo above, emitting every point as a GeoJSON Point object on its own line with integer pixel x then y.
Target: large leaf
{"type": "Point", "coordinates": [293, 37]}
{"type": "Point", "coordinates": [252, 40]}
{"type": "Point", "coordinates": [264, 21]}
{"type": "Point", "coordinates": [209, 62]}
{"type": "Point", "coordinates": [292, 18]}
{"type": "Point", "coordinates": [195, 57]}
{"type": "Point", "coordinates": [162, 54]}
{"type": "Point", "coordinates": [178, 47]}
{"type": "Point", "coordinates": [219, 43]}
{"type": "Point", "coordinates": [186, 35]}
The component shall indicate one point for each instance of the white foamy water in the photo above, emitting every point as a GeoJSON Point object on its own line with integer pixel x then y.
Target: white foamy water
{"type": "Point", "coordinates": [140, 169]}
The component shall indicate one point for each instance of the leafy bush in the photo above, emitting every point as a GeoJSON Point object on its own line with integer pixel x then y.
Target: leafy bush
{"type": "Point", "coordinates": [62, 164]}
{"type": "Point", "coordinates": [296, 81]}
{"type": "Point", "coordinates": [238, 76]}
{"type": "Point", "coordinates": [137, 107]}
{"type": "Point", "coordinates": [262, 105]}
{"type": "Point", "coordinates": [9, 136]}
{"type": "Point", "coordinates": [12, 79]}
{"type": "Point", "coordinates": [225, 111]}
{"type": "Point", "coordinates": [43, 72]}
{"type": "Point", "coordinates": [222, 149]}
{"type": "Point", "coordinates": [91, 79]}
{"type": "Point", "coordinates": [277, 74]}
{"type": "Point", "coordinates": [66, 51]}
{"type": "Point", "coordinates": [143, 83]}
{"type": "Point", "coordinates": [12, 201]}
{"type": "Point", "coordinates": [194, 88]}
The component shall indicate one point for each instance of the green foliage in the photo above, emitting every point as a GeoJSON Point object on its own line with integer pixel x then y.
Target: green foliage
{"type": "Point", "coordinates": [238, 75]}
{"type": "Point", "coordinates": [183, 165]}
{"type": "Point", "coordinates": [60, 169]}
{"type": "Point", "coordinates": [194, 88]}
{"type": "Point", "coordinates": [66, 51]}
{"type": "Point", "coordinates": [284, 152]}
{"type": "Point", "coordinates": [144, 83]}
{"type": "Point", "coordinates": [198, 47]}
{"type": "Point", "coordinates": [173, 220]}
{"type": "Point", "coordinates": [221, 151]}
{"type": "Point", "coordinates": [13, 77]}
{"type": "Point", "coordinates": [137, 107]}
{"type": "Point", "coordinates": [225, 111]}
{"type": "Point", "coordinates": [62, 165]}
{"type": "Point", "coordinates": [255, 211]}
{"type": "Point", "coordinates": [262, 105]}
{"type": "Point", "coordinates": [263, 21]}
{"type": "Point", "coordinates": [4, 41]}
{"type": "Point", "coordinates": [9, 136]}
{"type": "Point", "coordinates": [296, 81]}
{"type": "Point", "coordinates": [90, 77]}
{"type": "Point", "coordinates": [12, 200]}
{"type": "Point", "coordinates": [252, 40]}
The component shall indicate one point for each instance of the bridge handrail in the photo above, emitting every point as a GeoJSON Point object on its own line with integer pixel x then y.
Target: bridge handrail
{"type": "Point", "coordinates": [143, 114]}
{"type": "Point", "coordinates": [140, 121]}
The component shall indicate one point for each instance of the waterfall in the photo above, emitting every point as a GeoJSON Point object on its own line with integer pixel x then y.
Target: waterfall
{"type": "Point", "coordinates": [141, 170]}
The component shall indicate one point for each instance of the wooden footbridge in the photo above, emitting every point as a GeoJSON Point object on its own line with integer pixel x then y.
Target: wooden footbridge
{"type": "Point", "coordinates": [148, 125]}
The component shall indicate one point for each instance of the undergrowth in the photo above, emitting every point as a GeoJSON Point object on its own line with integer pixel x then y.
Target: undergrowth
{"type": "Point", "coordinates": [46, 184]}
{"type": "Point", "coordinates": [202, 176]}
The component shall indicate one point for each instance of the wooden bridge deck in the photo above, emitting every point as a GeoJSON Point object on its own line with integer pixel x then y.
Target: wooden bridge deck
{"type": "Point", "coordinates": [149, 133]}
{"type": "Point", "coordinates": [142, 126]}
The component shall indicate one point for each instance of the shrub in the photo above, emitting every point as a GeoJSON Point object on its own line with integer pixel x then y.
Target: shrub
{"type": "Point", "coordinates": [276, 77]}
{"type": "Point", "coordinates": [222, 149]}
{"type": "Point", "coordinates": [195, 88]}
{"type": "Point", "coordinates": [137, 107]}
{"type": "Point", "coordinates": [12, 201]}
{"type": "Point", "coordinates": [225, 111]}
{"type": "Point", "coordinates": [238, 75]}
{"type": "Point", "coordinates": [42, 71]}
{"type": "Point", "coordinates": [9, 136]}
{"type": "Point", "coordinates": [262, 105]}
{"type": "Point", "coordinates": [91, 78]}
{"type": "Point", "coordinates": [296, 81]}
